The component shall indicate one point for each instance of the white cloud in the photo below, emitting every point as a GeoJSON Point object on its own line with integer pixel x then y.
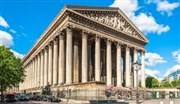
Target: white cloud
{"type": "Point", "coordinates": [153, 73]}
{"type": "Point", "coordinates": [13, 31]}
{"type": "Point", "coordinates": [165, 6]}
{"type": "Point", "coordinates": [147, 24]}
{"type": "Point", "coordinates": [19, 55]}
{"type": "Point", "coordinates": [152, 59]}
{"type": "Point", "coordinates": [6, 38]}
{"type": "Point", "coordinates": [172, 69]}
{"type": "Point", "coordinates": [127, 6]}
{"type": "Point", "coordinates": [176, 55]}
{"type": "Point", "coordinates": [144, 22]}
{"type": "Point", "coordinates": [3, 22]}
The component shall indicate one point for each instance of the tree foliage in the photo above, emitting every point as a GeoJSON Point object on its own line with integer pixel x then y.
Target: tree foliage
{"type": "Point", "coordinates": [152, 82]}
{"type": "Point", "coordinates": [166, 83]}
{"type": "Point", "coordinates": [11, 72]}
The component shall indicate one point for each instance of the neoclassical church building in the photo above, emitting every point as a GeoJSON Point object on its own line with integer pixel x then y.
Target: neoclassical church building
{"type": "Point", "coordinates": [86, 48]}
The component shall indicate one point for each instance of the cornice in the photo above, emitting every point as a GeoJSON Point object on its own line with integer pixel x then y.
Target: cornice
{"type": "Point", "coordinates": [83, 17]}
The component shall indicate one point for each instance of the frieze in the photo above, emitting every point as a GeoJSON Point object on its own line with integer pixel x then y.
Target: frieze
{"type": "Point", "coordinates": [113, 20]}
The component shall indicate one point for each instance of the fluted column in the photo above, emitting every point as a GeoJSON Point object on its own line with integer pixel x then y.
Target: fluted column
{"type": "Point", "coordinates": [84, 57]}
{"type": "Point", "coordinates": [135, 58]}
{"type": "Point", "coordinates": [55, 61]}
{"type": "Point", "coordinates": [127, 65]}
{"type": "Point", "coordinates": [68, 55]}
{"type": "Point", "coordinates": [76, 60]}
{"type": "Point", "coordinates": [61, 59]}
{"type": "Point", "coordinates": [143, 84]}
{"type": "Point", "coordinates": [27, 73]}
{"type": "Point", "coordinates": [42, 68]}
{"type": "Point", "coordinates": [45, 66]}
{"type": "Point", "coordinates": [31, 73]}
{"type": "Point", "coordinates": [36, 71]}
{"type": "Point", "coordinates": [39, 70]}
{"type": "Point", "coordinates": [97, 58]}
{"type": "Point", "coordinates": [109, 62]}
{"type": "Point", "coordinates": [118, 65]}
{"type": "Point", "coordinates": [34, 85]}
{"type": "Point", "coordinates": [50, 62]}
{"type": "Point", "coordinates": [35, 82]}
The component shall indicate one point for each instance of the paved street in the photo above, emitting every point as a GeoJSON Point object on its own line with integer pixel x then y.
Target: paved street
{"type": "Point", "coordinates": [165, 101]}
{"type": "Point", "coordinates": [30, 102]}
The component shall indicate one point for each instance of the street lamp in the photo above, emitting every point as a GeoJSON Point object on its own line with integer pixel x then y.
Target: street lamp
{"type": "Point", "coordinates": [137, 67]}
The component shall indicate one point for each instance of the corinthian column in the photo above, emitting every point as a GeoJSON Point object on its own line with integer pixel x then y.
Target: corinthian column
{"type": "Point", "coordinates": [134, 72]}
{"type": "Point", "coordinates": [42, 68]}
{"type": "Point", "coordinates": [76, 60]}
{"type": "Point", "coordinates": [55, 61]}
{"type": "Point", "coordinates": [45, 66]}
{"type": "Point", "coordinates": [50, 62]}
{"type": "Point", "coordinates": [61, 59]}
{"type": "Point", "coordinates": [36, 71]}
{"type": "Point", "coordinates": [68, 55]}
{"type": "Point", "coordinates": [33, 73]}
{"type": "Point", "coordinates": [39, 70]}
{"type": "Point", "coordinates": [109, 62]}
{"type": "Point", "coordinates": [143, 69]}
{"type": "Point", "coordinates": [127, 83]}
{"type": "Point", "coordinates": [37, 83]}
{"type": "Point", "coordinates": [97, 59]}
{"type": "Point", "coordinates": [118, 65]}
{"type": "Point", "coordinates": [84, 57]}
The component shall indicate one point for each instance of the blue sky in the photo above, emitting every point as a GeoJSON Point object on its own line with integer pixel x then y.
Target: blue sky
{"type": "Point", "coordinates": [23, 21]}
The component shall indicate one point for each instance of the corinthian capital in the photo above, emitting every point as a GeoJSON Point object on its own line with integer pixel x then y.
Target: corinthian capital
{"type": "Point", "coordinates": [109, 41]}
{"type": "Point", "coordinates": [84, 33]}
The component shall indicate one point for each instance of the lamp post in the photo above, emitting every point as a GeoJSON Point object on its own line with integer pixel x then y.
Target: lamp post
{"type": "Point", "coordinates": [137, 67]}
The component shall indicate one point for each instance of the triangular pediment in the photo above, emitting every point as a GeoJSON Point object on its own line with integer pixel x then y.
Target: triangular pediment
{"type": "Point", "coordinates": [112, 17]}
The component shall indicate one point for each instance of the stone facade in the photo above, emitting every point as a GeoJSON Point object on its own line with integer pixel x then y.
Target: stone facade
{"type": "Point", "coordinates": [84, 46]}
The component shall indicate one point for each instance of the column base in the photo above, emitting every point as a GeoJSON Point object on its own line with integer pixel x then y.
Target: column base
{"type": "Point", "coordinates": [60, 84]}
{"type": "Point", "coordinates": [55, 84]}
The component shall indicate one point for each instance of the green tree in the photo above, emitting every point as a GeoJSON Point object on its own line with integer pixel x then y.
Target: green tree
{"type": "Point", "coordinates": [166, 83]}
{"type": "Point", "coordinates": [155, 83]}
{"type": "Point", "coordinates": [11, 72]}
{"type": "Point", "coordinates": [152, 82]}
{"type": "Point", "coordinates": [149, 81]}
{"type": "Point", "coordinates": [173, 83]}
{"type": "Point", "coordinates": [139, 84]}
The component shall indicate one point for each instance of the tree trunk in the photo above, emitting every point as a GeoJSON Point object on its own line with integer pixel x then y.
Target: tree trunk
{"type": "Point", "coordinates": [2, 93]}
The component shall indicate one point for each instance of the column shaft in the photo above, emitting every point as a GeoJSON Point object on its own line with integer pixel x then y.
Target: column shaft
{"type": "Point", "coordinates": [45, 66]}
{"type": "Point", "coordinates": [39, 70]}
{"type": "Point", "coordinates": [109, 63]}
{"type": "Point", "coordinates": [127, 64]}
{"type": "Point", "coordinates": [134, 72]}
{"type": "Point", "coordinates": [68, 55]}
{"type": "Point", "coordinates": [31, 72]}
{"type": "Point", "coordinates": [50, 62]}
{"type": "Point", "coordinates": [61, 59]}
{"type": "Point", "coordinates": [42, 68]}
{"type": "Point", "coordinates": [55, 62]}
{"type": "Point", "coordinates": [36, 84]}
{"type": "Point", "coordinates": [97, 59]}
{"type": "Point", "coordinates": [76, 60]}
{"type": "Point", "coordinates": [84, 57]}
{"type": "Point", "coordinates": [143, 84]}
{"type": "Point", "coordinates": [118, 65]}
